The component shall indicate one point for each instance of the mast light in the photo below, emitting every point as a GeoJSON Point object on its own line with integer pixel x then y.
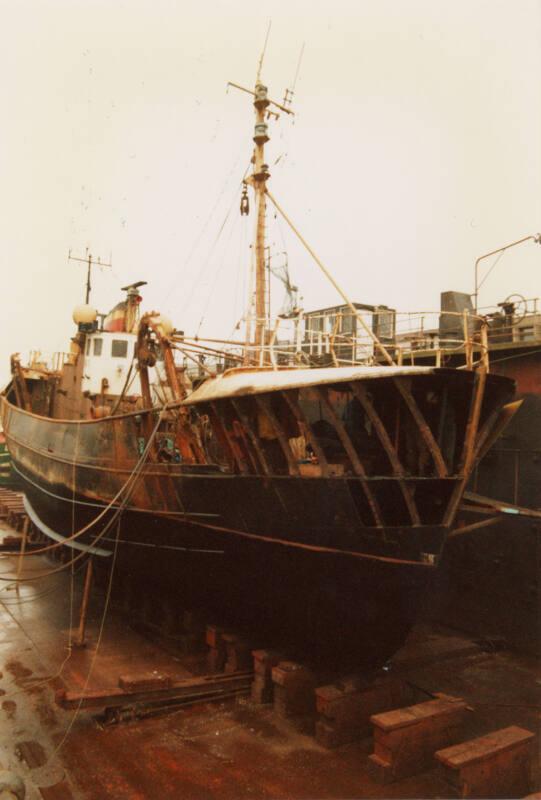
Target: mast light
{"type": "Point", "coordinates": [261, 133]}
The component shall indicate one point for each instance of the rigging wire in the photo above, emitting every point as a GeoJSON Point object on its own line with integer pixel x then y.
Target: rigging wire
{"type": "Point", "coordinates": [96, 651]}
{"type": "Point", "coordinates": [240, 271]}
{"type": "Point", "coordinates": [490, 270]}
{"type": "Point", "coordinates": [39, 595]}
{"type": "Point", "coordinates": [217, 270]}
{"type": "Point", "coordinates": [128, 487]}
{"type": "Point", "coordinates": [182, 269]}
{"type": "Point", "coordinates": [42, 681]}
{"type": "Point", "coordinates": [126, 387]}
{"type": "Point", "coordinates": [16, 601]}
{"type": "Point", "coordinates": [201, 272]}
{"type": "Point", "coordinates": [262, 56]}
{"type": "Point", "coordinates": [299, 62]}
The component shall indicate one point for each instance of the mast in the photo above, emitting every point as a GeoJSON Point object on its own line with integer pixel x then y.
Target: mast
{"type": "Point", "coordinates": [258, 180]}
{"type": "Point", "coordinates": [88, 261]}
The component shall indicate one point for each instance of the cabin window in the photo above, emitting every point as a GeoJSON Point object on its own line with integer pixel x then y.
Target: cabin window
{"type": "Point", "coordinates": [348, 324]}
{"type": "Point", "coordinates": [526, 334]}
{"type": "Point", "coordinates": [119, 348]}
{"type": "Point", "coordinates": [315, 323]}
{"type": "Point", "coordinates": [97, 347]}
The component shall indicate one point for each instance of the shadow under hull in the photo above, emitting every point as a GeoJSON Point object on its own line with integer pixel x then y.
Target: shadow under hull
{"type": "Point", "coordinates": [332, 609]}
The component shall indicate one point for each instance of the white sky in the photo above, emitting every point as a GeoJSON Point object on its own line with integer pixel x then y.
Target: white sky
{"type": "Point", "coordinates": [416, 148]}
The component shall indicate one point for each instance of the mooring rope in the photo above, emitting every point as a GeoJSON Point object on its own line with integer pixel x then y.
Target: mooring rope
{"type": "Point", "coordinates": [128, 487]}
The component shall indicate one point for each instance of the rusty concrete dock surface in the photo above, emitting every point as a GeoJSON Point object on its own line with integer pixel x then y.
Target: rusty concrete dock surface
{"type": "Point", "coordinates": [230, 750]}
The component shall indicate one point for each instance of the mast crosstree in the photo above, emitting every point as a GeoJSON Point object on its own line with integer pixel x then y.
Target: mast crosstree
{"type": "Point", "coordinates": [258, 181]}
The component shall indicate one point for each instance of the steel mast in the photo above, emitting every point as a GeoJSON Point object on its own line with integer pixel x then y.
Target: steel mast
{"type": "Point", "coordinates": [258, 180]}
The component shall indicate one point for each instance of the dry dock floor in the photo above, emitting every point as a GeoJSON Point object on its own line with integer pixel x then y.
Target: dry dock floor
{"type": "Point", "coordinates": [227, 751]}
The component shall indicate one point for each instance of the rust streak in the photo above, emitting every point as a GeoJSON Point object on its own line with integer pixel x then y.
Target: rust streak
{"type": "Point", "coordinates": [265, 406]}
{"type": "Point", "coordinates": [243, 467]}
{"type": "Point", "coordinates": [423, 426]}
{"type": "Point", "coordinates": [468, 451]}
{"type": "Point", "coordinates": [247, 428]}
{"type": "Point", "coordinates": [352, 454]}
{"type": "Point", "coordinates": [362, 396]}
{"type": "Point", "coordinates": [300, 417]}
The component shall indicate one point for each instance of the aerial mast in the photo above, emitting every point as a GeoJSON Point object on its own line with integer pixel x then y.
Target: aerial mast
{"type": "Point", "coordinates": [258, 179]}
{"type": "Point", "coordinates": [88, 261]}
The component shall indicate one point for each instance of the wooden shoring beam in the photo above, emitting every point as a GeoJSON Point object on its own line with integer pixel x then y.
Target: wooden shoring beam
{"type": "Point", "coordinates": [494, 425]}
{"type": "Point", "coordinates": [224, 434]}
{"type": "Point", "coordinates": [299, 415]}
{"type": "Point", "coordinates": [80, 640]}
{"type": "Point", "coordinates": [265, 406]}
{"type": "Point", "coordinates": [468, 450]}
{"type": "Point", "coordinates": [468, 453]}
{"type": "Point", "coordinates": [352, 454]}
{"type": "Point", "coordinates": [482, 503]}
{"type": "Point", "coordinates": [487, 428]}
{"type": "Point", "coordinates": [186, 687]}
{"type": "Point", "coordinates": [362, 396]}
{"type": "Point", "coordinates": [424, 428]}
{"type": "Point", "coordinates": [223, 437]}
{"type": "Point", "coordinates": [484, 523]}
{"type": "Point", "coordinates": [252, 435]}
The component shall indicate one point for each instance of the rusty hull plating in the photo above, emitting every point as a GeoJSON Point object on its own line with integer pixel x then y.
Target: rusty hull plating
{"type": "Point", "coordinates": [314, 508]}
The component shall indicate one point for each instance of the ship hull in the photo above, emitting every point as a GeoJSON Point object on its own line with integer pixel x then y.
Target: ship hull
{"type": "Point", "coordinates": [331, 556]}
{"type": "Point", "coordinates": [332, 608]}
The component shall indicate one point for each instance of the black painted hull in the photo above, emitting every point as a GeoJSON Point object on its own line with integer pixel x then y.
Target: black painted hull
{"type": "Point", "coordinates": [334, 560]}
{"type": "Point", "coordinates": [331, 608]}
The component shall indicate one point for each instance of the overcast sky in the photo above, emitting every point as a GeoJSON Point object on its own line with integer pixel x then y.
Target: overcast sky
{"type": "Point", "coordinates": [415, 148]}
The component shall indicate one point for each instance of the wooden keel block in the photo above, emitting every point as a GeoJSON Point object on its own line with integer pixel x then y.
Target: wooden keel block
{"type": "Point", "coordinates": [406, 739]}
{"type": "Point", "coordinates": [263, 686]}
{"type": "Point", "coordinates": [238, 653]}
{"type": "Point", "coordinates": [144, 682]}
{"type": "Point", "coordinates": [496, 765]}
{"type": "Point", "coordinates": [346, 707]}
{"type": "Point", "coordinates": [214, 636]}
{"type": "Point", "coordinates": [294, 694]}
{"type": "Point", "coordinates": [216, 655]}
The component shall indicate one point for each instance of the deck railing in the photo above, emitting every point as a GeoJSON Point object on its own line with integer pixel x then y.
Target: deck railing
{"type": "Point", "coordinates": [339, 340]}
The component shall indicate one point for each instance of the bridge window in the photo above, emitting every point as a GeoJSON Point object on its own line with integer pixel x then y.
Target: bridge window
{"type": "Point", "coordinates": [97, 347]}
{"type": "Point", "coordinates": [119, 348]}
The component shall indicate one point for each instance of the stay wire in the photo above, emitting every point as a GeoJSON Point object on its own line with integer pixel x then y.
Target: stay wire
{"type": "Point", "coordinates": [218, 269]}
{"type": "Point", "coordinates": [115, 550]}
{"type": "Point", "coordinates": [490, 270]}
{"type": "Point", "coordinates": [96, 651]}
{"type": "Point", "coordinates": [201, 272]}
{"type": "Point", "coordinates": [127, 487]}
{"type": "Point", "coordinates": [91, 524]}
{"type": "Point", "coordinates": [179, 273]}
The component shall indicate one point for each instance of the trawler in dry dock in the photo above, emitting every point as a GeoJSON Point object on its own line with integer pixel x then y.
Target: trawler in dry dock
{"type": "Point", "coordinates": [309, 501]}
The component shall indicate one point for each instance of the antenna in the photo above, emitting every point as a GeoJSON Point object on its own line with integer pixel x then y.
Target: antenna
{"type": "Point", "coordinates": [257, 180]}
{"type": "Point", "coordinates": [88, 260]}
{"type": "Point", "coordinates": [260, 65]}
{"type": "Point", "coordinates": [288, 96]}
